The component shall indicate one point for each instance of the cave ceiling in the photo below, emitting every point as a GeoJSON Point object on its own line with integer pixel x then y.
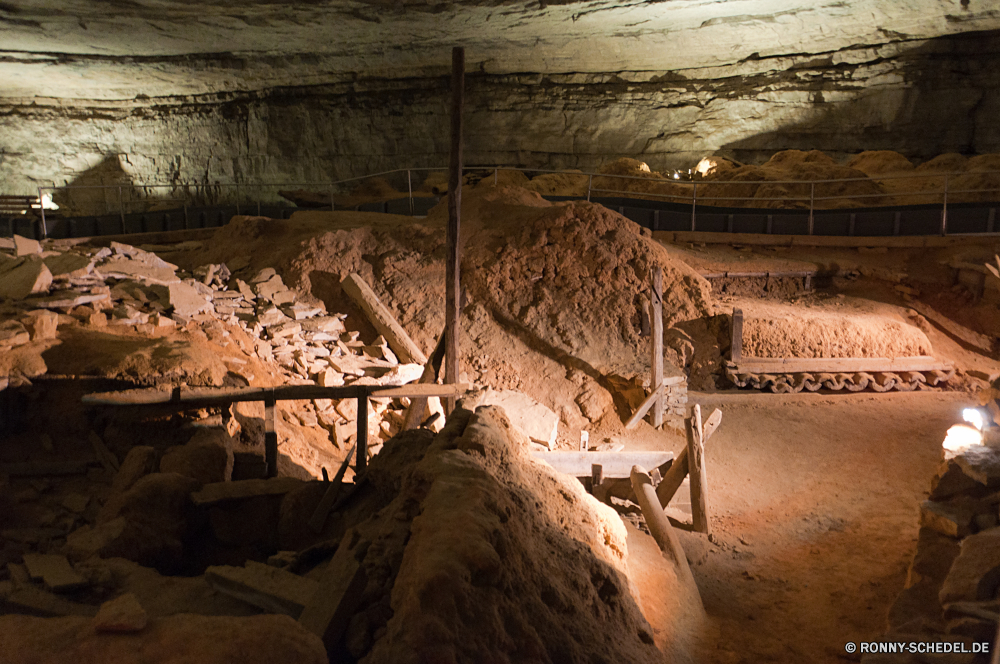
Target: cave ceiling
{"type": "Point", "coordinates": [120, 50]}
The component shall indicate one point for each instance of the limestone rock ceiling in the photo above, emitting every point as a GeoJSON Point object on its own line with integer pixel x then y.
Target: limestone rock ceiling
{"type": "Point", "coordinates": [118, 50]}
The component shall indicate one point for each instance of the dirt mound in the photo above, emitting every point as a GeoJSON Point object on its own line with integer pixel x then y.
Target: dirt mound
{"type": "Point", "coordinates": [574, 276]}
{"type": "Point", "coordinates": [509, 561]}
{"type": "Point", "coordinates": [983, 162]}
{"type": "Point", "coordinates": [625, 166]}
{"type": "Point", "coordinates": [559, 184]}
{"type": "Point", "coordinates": [774, 185]}
{"type": "Point", "coordinates": [951, 162]}
{"type": "Point", "coordinates": [780, 330]}
{"type": "Point", "coordinates": [877, 162]}
{"type": "Point", "coordinates": [974, 186]}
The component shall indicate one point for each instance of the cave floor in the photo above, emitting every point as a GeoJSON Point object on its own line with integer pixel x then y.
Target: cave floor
{"type": "Point", "coordinates": [814, 502]}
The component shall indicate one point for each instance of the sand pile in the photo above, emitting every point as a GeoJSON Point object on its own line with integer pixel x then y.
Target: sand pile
{"type": "Point", "coordinates": [508, 560]}
{"type": "Point", "coordinates": [780, 330]}
{"type": "Point", "coordinates": [559, 184]}
{"type": "Point", "coordinates": [878, 162]}
{"type": "Point", "coordinates": [763, 188]}
{"type": "Point", "coordinates": [651, 182]}
{"type": "Point", "coordinates": [574, 276]}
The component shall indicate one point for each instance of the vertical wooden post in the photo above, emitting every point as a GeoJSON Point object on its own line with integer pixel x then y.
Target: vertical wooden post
{"type": "Point", "coordinates": [452, 279]}
{"type": "Point", "coordinates": [596, 476]}
{"type": "Point", "coordinates": [270, 437]}
{"type": "Point", "coordinates": [656, 331]}
{"type": "Point", "coordinates": [361, 460]}
{"type": "Point", "coordinates": [696, 470]}
{"type": "Point", "coordinates": [736, 338]}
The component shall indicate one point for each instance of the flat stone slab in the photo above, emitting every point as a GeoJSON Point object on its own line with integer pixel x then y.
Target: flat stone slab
{"type": "Point", "coordinates": [273, 589]}
{"type": "Point", "coordinates": [28, 277]}
{"type": "Point", "coordinates": [186, 300]}
{"type": "Point", "coordinates": [980, 463]}
{"type": "Point", "coordinates": [975, 574]}
{"type": "Point", "coordinates": [951, 519]}
{"type": "Point", "coordinates": [122, 614]}
{"type": "Point", "coordinates": [531, 418]}
{"type": "Point", "coordinates": [243, 489]}
{"type": "Point", "coordinates": [55, 571]}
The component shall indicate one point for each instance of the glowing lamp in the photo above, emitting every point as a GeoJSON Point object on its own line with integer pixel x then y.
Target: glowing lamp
{"type": "Point", "coordinates": [974, 416]}
{"type": "Point", "coordinates": [961, 437]}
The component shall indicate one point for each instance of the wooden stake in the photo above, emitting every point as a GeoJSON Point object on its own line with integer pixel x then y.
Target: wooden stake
{"type": "Point", "coordinates": [736, 341]}
{"type": "Point", "coordinates": [361, 460]}
{"type": "Point", "coordinates": [644, 407]}
{"type": "Point", "coordinates": [596, 476]}
{"type": "Point", "coordinates": [696, 464]}
{"type": "Point", "coordinates": [674, 477]}
{"type": "Point", "coordinates": [656, 332]}
{"type": "Point", "coordinates": [270, 437]}
{"type": "Point", "coordinates": [452, 279]}
{"type": "Point", "coordinates": [661, 530]}
{"type": "Point", "coordinates": [318, 518]}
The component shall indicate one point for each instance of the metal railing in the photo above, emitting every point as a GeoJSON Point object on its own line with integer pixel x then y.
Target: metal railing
{"type": "Point", "coordinates": [812, 202]}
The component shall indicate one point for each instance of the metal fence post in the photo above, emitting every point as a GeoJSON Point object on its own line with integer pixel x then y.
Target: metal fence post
{"type": "Point", "coordinates": [944, 209]}
{"type": "Point", "coordinates": [694, 205]}
{"type": "Point", "coordinates": [812, 201]}
{"type": "Point", "coordinates": [41, 205]}
{"type": "Point", "coordinates": [590, 184]}
{"type": "Point", "coordinates": [409, 188]}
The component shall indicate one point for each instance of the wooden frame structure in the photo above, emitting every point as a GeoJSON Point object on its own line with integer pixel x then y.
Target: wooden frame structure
{"type": "Point", "coordinates": [185, 397]}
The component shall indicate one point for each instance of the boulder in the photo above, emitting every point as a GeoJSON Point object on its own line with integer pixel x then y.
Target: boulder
{"type": "Point", "coordinates": [186, 300]}
{"type": "Point", "coordinates": [42, 324]}
{"type": "Point", "coordinates": [206, 457]}
{"type": "Point", "coordinates": [531, 418]}
{"type": "Point", "coordinates": [27, 277]}
{"type": "Point", "coordinates": [13, 333]}
{"type": "Point", "coordinates": [975, 574]}
{"type": "Point", "coordinates": [122, 614]}
{"type": "Point", "coordinates": [24, 246]}
{"type": "Point", "coordinates": [178, 638]}
{"type": "Point", "coordinates": [953, 519]}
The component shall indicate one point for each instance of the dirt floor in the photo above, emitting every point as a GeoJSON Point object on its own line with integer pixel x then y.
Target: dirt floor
{"type": "Point", "coordinates": [814, 501]}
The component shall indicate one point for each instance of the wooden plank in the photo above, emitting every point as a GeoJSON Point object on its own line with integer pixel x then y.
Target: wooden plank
{"type": "Point", "coordinates": [418, 405]}
{"type": "Point", "coordinates": [644, 407]}
{"type": "Point", "coordinates": [273, 589]}
{"type": "Point", "coordinates": [104, 455]}
{"type": "Point", "coordinates": [330, 608]}
{"type": "Point", "coordinates": [614, 465]}
{"type": "Point", "coordinates": [661, 530]}
{"type": "Point", "coordinates": [656, 333]}
{"type": "Point", "coordinates": [696, 465]}
{"type": "Point", "coordinates": [736, 336]}
{"type": "Point", "coordinates": [835, 365]}
{"type": "Point", "coordinates": [270, 438]}
{"type": "Point", "coordinates": [318, 518]}
{"type": "Point", "coordinates": [382, 320]}
{"type": "Point", "coordinates": [218, 492]}
{"type": "Point", "coordinates": [361, 458]}
{"type": "Point", "coordinates": [453, 267]}
{"type": "Point", "coordinates": [190, 398]}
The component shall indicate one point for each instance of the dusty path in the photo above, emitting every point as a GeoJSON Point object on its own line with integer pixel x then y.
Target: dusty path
{"type": "Point", "coordinates": [815, 507]}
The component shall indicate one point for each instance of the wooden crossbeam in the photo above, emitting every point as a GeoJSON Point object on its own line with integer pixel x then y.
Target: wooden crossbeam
{"type": "Point", "coordinates": [614, 465]}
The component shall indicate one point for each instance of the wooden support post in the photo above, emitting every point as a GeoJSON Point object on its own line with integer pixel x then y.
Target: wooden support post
{"type": "Point", "coordinates": [674, 477]}
{"type": "Point", "coordinates": [361, 462]}
{"type": "Point", "coordinates": [644, 407]}
{"type": "Point", "coordinates": [696, 466]}
{"type": "Point", "coordinates": [661, 530]}
{"type": "Point", "coordinates": [736, 340]}
{"type": "Point", "coordinates": [656, 332]}
{"type": "Point", "coordinates": [454, 261]}
{"type": "Point", "coordinates": [596, 476]}
{"type": "Point", "coordinates": [338, 594]}
{"type": "Point", "coordinates": [318, 518]}
{"type": "Point", "coordinates": [382, 319]}
{"type": "Point", "coordinates": [270, 437]}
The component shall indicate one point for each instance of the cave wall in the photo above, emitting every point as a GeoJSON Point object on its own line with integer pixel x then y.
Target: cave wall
{"type": "Point", "coordinates": [921, 98]}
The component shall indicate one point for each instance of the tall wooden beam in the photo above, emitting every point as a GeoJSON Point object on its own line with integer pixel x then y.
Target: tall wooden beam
{"type": "Point", "coordinates": [696, 468]}
{"type": "Point", "coordinates": [736, 339]}
{"type": "Point", "coordinates": [270, 436]}
{"type": "Point", "coordinates": [656, 331]}
{"type": "Point", "coordinates": [453, 288]}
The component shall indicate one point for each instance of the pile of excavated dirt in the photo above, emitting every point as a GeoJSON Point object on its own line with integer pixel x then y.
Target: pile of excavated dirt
{"type": "Point", "coordinates": [554, 291]}
{"type": "Point", "coordinates": [764, 186]}
{"type": "Point", "coordinates": [877, 162]}
{"type": "Point", "coordinates": [847, 329]}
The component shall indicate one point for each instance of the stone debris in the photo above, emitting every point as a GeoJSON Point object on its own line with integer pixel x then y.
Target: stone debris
{"type": "Point", "coordinates": [531, 418]}
{"type": "Point", "coordinates": [42, 324]}
{"type": "Point", "coordinates": [273, 589]}
{"type": "Point", "coordinates": [55, 571]}
{"type": "Point", "coordinates": [121, 615]}
{"type": "Point", "coordinates": [13, 333]}
{"type": "Point", "coordinates": [24, 246]}
{"type": "Point", "coordinates": [19, 279]}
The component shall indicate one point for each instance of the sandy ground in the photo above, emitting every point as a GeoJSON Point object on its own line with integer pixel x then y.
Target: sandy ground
{"type": "Point", "coordinates": [814, 503]}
